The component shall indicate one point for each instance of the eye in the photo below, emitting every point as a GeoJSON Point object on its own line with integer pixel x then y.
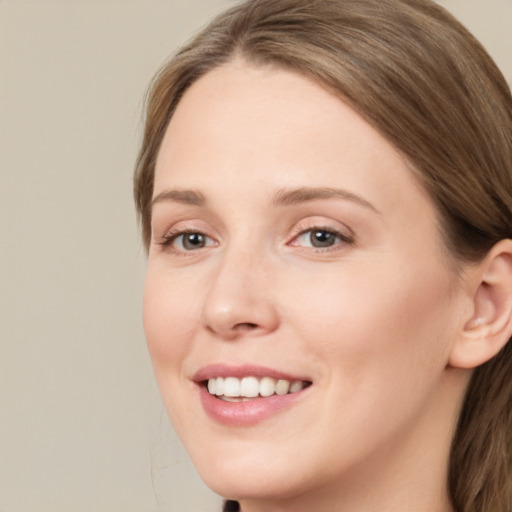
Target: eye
{"type": "Point", "coordinates": [188, 241]}
{"type": "Point", "coordinates": [320, 238]}
{"type": "Point", "coordinates": [191, 241]}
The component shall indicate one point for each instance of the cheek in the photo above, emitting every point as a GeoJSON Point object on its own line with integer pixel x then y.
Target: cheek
{"type": "Point", "coordinates": [170, 316]}
{"type": "Point", "coordinates": [381, 342]}
{"type": "Point", "coordinates": [377, 328]}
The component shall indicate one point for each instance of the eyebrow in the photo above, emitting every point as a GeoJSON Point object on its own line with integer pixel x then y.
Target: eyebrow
{"type": "Point", "coordinates": [188, 197]}
{"type": "Point", "coordinates": [287, 197]}
{"type": "Point", "coordinates": [284, 197]}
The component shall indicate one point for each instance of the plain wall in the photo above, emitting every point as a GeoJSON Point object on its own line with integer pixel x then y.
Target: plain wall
{"type": "Point", "coordinates": [81, 424]}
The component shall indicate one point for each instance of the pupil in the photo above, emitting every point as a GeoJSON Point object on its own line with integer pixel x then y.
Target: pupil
{"type": "Point", "coordinates": [193, 241]}
{"type": "Point", "coordinates": [321, 239]}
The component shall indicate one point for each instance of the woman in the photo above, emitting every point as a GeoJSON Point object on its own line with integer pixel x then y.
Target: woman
{"type": "Point", "coordinates": [325, 192]}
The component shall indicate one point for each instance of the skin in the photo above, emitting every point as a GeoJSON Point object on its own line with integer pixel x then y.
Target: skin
{"type": "Point", "coordinates": [371, 320]}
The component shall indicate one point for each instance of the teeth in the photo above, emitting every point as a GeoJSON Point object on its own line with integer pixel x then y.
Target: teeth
{"type": "Point", "coordinates": [230, 388]}
{"type": "Point", "coordinates": [283, 386]}
{"type": "Point", "coordinates": [295, 386]}
{"type": "Point", "coordinates": [267, 386]}
{"type": "Point", "coordinates": [219, 386]}
{"type": "Point", "coordinates": [249, 387]}
{"type": "Point", "coordinates": [237, 399]}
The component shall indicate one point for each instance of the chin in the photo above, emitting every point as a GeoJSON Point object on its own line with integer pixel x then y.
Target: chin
{"type": "Point", "coordinates": [250, 486]}
{"type": "Point", "coordinates": [249, 477]}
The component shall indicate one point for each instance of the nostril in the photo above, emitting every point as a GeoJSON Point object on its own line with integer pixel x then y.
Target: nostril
{"type": "Point", "coordinates": [246, 326]}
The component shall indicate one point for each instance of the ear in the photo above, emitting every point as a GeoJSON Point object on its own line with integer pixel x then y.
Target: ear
{"type": "Point", "coordinates": [489, 326]}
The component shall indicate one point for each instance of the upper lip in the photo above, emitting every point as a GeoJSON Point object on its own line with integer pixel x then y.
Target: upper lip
{"type": "Point", "coordinates": [247, 370]}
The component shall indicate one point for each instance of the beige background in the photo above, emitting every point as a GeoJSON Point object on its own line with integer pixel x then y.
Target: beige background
{"type": "Point", "coordinates": [81, 425]}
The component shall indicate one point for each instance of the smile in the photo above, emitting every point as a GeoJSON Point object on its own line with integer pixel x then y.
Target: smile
{"type": "Point", "coordinates": [246, 388]}
{"type": "Point", "coordinates": [245, 395]}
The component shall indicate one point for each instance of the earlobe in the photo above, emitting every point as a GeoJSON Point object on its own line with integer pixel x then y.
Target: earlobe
{"type": "Point", "coordinates": [489, 327]}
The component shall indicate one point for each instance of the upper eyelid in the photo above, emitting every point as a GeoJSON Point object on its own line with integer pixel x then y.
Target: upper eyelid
{"type": "Point", "coordinates": [310, 223]}
{"type": "Point", "coordinates": [184, 233]}
{"type": "Point", "coordinates": [191, 217]}
{"type": "Point", "coordinates": [184, 226]}
{"type": "Point", "coordinates": [169, 238]}
{"type": "Point", "coordinates": [344, 239]}
{"type": "Point", "coordinates": [173, 234]}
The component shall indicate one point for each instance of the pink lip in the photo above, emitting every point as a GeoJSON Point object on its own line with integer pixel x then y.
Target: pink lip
{"type": "Point", "coordinates": [222, 370]}
{"type": "Point", "coordinates": [244, 414]}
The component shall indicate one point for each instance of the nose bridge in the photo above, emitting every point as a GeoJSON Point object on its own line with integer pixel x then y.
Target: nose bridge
{"type": "Point", "coordinates": [238, 300]}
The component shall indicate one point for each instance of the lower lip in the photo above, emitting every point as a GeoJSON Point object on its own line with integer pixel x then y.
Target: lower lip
{"type": "Point", "coordinates": [245, 414]}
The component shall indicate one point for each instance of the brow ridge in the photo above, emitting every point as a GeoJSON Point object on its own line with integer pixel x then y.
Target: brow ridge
{"type": "Point", "coordinates": [188, 197]}
{"type": "Point", "coordinates": [289, 197]}
{"type": "Point", "coordinates": [284, 197]}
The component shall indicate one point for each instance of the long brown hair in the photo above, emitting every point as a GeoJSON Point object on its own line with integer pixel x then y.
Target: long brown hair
{"type": "Point", "coordinates": [424, 82]}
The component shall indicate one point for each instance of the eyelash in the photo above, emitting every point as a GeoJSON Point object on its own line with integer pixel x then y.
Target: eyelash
{"type": "Point", "coordinates": [341, 238]}
{"type": "Point", "coordinates": [170, 237]}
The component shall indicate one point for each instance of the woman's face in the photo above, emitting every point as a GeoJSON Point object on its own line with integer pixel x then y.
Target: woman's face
{"type": "Point", "coordinates": [290, 242]}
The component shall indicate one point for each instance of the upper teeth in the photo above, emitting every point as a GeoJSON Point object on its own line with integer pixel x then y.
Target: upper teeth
{"type": "Point", "coordinates": [251, 387]}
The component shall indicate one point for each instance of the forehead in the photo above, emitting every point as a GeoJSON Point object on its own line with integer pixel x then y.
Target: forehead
{"type": "Point", "coordinates": [252, 125]}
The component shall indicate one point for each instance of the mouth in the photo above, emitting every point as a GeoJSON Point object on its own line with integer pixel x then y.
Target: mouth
{"type": "Point", "coordinates": [235, 389]}
{"type": "Point", "coordinates": [243, 396]}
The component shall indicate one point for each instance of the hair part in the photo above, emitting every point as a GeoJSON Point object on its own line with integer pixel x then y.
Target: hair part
{"type": "Point", "coordinates": [425, 83]}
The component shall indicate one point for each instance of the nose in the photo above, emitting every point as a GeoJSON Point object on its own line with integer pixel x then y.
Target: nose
{"type": "Point", "coordinates": [239, 300]}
